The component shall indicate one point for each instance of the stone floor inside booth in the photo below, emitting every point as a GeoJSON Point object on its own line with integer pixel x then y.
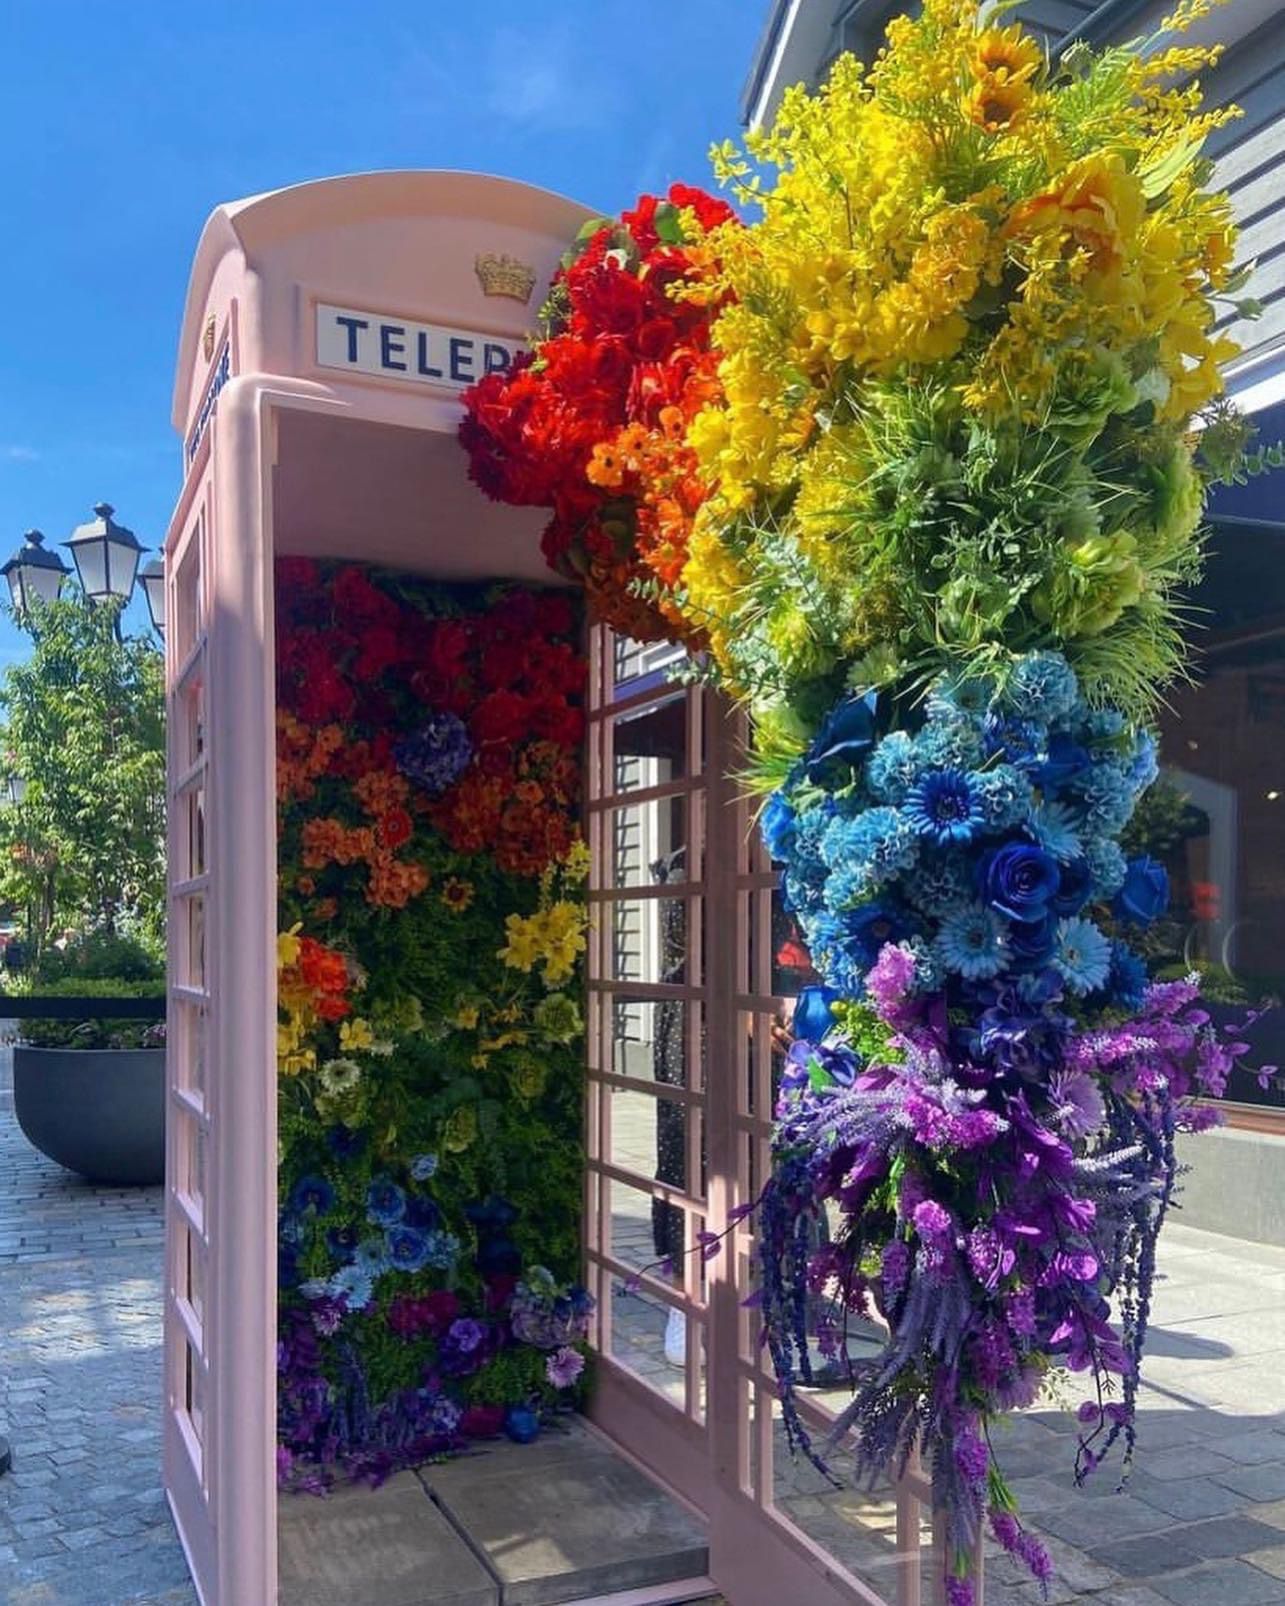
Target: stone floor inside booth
{"type": "Point", "coordinates": [567, 1519]}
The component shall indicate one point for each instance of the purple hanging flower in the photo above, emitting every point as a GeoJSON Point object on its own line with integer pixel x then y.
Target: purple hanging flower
{"type": "Point", "coordinates": [436, 754]}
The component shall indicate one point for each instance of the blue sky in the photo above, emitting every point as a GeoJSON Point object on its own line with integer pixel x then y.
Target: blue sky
{"type": "Point", "coordinates": [124, 125]}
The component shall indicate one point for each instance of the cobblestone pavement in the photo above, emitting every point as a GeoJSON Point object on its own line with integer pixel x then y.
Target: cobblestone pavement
{"type": "Point", "coordinates": [83, 1520]}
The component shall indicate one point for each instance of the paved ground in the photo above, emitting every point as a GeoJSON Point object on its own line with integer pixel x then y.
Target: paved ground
{"type": "Point", "coordinates": [83, 1520]}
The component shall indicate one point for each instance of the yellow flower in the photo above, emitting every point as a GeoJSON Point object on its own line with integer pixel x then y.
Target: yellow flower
{"type": "Point", "coordinates": [355, 1035]}
{"type": "Point", "coordinates": [460, 1131]}
{"type": "Point", "coordinates": [466, 1017]}
{"type": "Point", "coordinates": [288, 946]}
{"type": "Point", "coordinates": [456, 894]}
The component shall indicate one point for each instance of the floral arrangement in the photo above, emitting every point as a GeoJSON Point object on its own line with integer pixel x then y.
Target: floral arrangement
{"type": "Point", "coordinates": [429, 1032]}
{"type": "Point", "coordinates": [948, 503]}
{"type": "Point", "coordinates": [593, 424]}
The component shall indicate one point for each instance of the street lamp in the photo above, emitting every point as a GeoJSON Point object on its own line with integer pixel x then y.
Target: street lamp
{"type": "Point", "coordinates": [106, 556]}
{"type": "Point", "coordinates": [152, 578]}
{"type": "Point", "coordinates": [34, 574]}
{"type": "Point", "coordinates": [16, 786]}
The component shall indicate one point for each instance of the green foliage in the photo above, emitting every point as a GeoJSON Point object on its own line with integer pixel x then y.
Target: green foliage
{"type": "Point", "coordinates": [83, 724]}
{"type": "Point", "coordinates": [102, 956]}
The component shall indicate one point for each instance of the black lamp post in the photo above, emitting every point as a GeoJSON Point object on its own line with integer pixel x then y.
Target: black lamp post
{"type": "Point", "coordinates": [35, 575]}
{"type": "Point", "coordinates": [152, 579]}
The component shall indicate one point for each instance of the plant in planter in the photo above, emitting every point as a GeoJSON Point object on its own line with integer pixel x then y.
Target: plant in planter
{"type": "Point", "coordinates": [89, 1091]}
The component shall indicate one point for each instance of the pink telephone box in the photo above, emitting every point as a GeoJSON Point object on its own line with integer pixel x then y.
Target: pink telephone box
{"type": "Point", "coordinates": [328, 332]}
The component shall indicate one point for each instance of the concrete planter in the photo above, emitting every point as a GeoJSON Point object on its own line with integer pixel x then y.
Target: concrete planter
{"type": "Point", "coordinates": [98, 1111]}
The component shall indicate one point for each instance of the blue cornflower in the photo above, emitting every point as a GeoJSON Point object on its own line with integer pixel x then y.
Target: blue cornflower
{"type": "Point", "coordinates": [893, 767]}
{"type": "Point", "coordinates": [1041, 686]}
{"type": "Point", "coordinates": [407, 1249]}
{"type": "Point", "coordinates": [1053, 826]}
{"type": "Point", "coordinates": [442, 1250]}
{"type": "Point", "coordinates": [1082, 956]}
{"type": "Point", "coordinates": [1006, 796]}
{"type": "Point", "coordinates": [371, 1256]}
{"type": "Point", "coordinates": [972, 942]}
{"type": "Point", "coordinates": [385, 1202]}
{"type": "Point", "coordinates": [423, 1166]}
{"type": "Point", "coordinates": [946, 807]}
{"type": "Point", "coordinates": [1144, 764]}
{"type": "Point", "coordinates": [353, 1285]}
{"type": "Point", "coordinates": [1106, 866]}
{"type": "Point", "coordinates": [312, 1193]}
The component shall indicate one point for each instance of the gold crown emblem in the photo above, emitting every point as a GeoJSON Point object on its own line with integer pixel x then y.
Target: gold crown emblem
{"type": "Point", "coordinates": [504, 276]}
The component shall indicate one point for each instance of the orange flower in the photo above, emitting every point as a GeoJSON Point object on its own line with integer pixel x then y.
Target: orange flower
{"type": "Point", "coordinates": [378, 791]}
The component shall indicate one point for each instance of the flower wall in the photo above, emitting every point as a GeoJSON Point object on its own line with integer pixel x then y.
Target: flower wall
{"type": "Point", "coordinates": [430, 1046]}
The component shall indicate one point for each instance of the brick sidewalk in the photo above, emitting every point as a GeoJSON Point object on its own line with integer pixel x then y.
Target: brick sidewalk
{"type": "Point", "coordinates": [83, 1520]}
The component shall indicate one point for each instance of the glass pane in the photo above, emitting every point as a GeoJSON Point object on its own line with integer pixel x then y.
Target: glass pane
{"type": "Point", "coordinates": [193, 721]}
{"type": "Point", "coordinates": [791, 966]}
{"type": "Point", "coordinates": [194, 834]}
{"type": "Point", "coordinates": [649, 1136]}
{"type": "Point", "coordinates": [188, 601]}
{"type": "Point", "coordinates": [651, 745]}
{"type": "Point", "coordinates": [649, 842]}
{"type": "Point", "coordinates": [633, 660]}
{"type": "Point", "coordinates": [192, 1281]}
{"type": "Point", "coordinates": [194, 1391]}
{"type": "Point", "coordinates": [649, 940]}
{"type": "Point", "coordinates": [192, 914]}
{"type": "Point", "coordinates": [649, 1039]}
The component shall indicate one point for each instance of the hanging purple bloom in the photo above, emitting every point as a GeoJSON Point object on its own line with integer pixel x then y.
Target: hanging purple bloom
{"type": "Point", "coordinates": [563, 1367]}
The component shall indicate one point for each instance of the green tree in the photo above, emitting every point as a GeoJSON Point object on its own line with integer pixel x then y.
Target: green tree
{"type": "Point", "coordinates": [83, 725]}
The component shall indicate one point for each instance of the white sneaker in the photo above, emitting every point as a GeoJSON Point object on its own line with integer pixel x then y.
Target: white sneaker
{"type": "Point", "coordinates": [676, 1338]}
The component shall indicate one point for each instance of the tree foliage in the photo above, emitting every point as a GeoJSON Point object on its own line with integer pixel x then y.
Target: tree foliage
{"type": "Point", "coordinates": [83, 725]}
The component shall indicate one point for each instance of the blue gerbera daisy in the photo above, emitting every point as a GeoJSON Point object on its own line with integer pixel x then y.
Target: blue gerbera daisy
{"type": "Point", "coordinates": [1053, 826]}
{"type": "Point", "coordinates": [945, 806]}
{"type": "Point", "coordinates": [972, 942]}
{"type": "Point", "coordinates": [353, 1285]}
{"type": "Point", "coordinates": [1082, 956]}
{"type": "Point", "coordinates": [385, 1202]}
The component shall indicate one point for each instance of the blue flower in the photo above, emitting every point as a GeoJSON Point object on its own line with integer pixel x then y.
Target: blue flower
{"type": "Point", "coordinates": [1144, 765]}
{"type": "Point", "coordinates": [371, 1256]}
{"type": "Point", "coordinates": [422, 1212]}
{"type": "Point", "coordinates": [1041, 686]}
{"type": "Point", "coordinates": [1053, 826]}
{"type": "Point", "coordinates": [1017, 740]}
{"type": "Point", "coordinates": [1106, 866]}
{"type": "Point", "coordinates": [443, 1249]}
{"type": "Point", "coordinates": [423, 1166]}
{"type": "Point", "coordinates": [955, 694]}
{"type": "Point", "coordinates": [342, 1241]}
{"type": "Point", "coordinates": [385, 1202]}
{"type": "Point", "coordinates": [1075, 883]}
{"type": "Point", "coordinates": [312, 1193]}
{"type": "Point", "coordinates": [1062, 761]}
{"type": "Point", "coordinates": [345, 1142]}
{"type": "Point", "coordinates": [972, 942]}
{"type": "Point", "coordinates": [893, 767]}
{"type": "Point", "coordinates": [945, 806]}
{"type": "Point", "coordinates": [1083, 955]}
{"type": "Point", "coordinates": [865, 851]}
{"type": "Point", "coordinates": [1145, 892]}
{"type": "Point", "coordinates": [1108, 796]}
{"type": "Point", "coordinates": [777, 826]}
{"type": "Point", "coordinates": [353, 1286]}
{"type": "Point", "coordinates": [1018, 880]}
{"type": "Point", "coordinates": [949, 744]}
{"type": "Point", "coordinates": [813, 1017]}
{"type": "Point", "coordinates": [407, 1248]}
{"type": "Point", "coordinates": [1031, 943]}
{"type": "Point", "coordinates": [1128, 978]}
{"type": "Point", "coordinates": [1006, 796]}
{"type": "Point", "coordinates": [847, 734]}
{"type": "Point", "coordinates": [939, 884]}
{"type": "Point", "coordinates": [437, 753]}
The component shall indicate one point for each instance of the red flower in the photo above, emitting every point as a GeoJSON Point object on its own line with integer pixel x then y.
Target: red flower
{"type": "Point", "coordinates": [500, 717]}
{"type": "Point", "coordinates": [557, 721]}
{"type": "Point", "coordinates": [553, 614]}
{"type": "Point", "coordinates": [356, 599]}
{"type": "Point", "coordinates": [380, 648]}
{"type": "Point", "coordinates": [710, 210]}
{"type": "Point", "coordinates": [395, 829]}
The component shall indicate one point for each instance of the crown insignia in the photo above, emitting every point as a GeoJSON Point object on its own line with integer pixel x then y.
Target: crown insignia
{"type": "Point", "coordinates": [504, 276]}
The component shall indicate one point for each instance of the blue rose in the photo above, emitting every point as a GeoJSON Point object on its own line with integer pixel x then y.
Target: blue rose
{"type": "Point", "coordinates": [1145, 893]}
{"type": "Point", "coordinates": [1019, 880]}
{"type": "Point", "coordinates": [1032, 942]}
{"type": "Point", "coordinates": [1062, 762]}
{"type": "Point", "coordinates": [812, 1014]}
{"type": "Point", "coordinates": [1075, 883]}
{"type": "Point", "coordinates": [847, 733]}
{"type": "Point", "coordinates": [777, 824]}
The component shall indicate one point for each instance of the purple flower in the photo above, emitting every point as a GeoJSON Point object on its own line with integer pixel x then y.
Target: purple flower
{"type": "Point", "coordinates": [894, 1267]}
{"type": "Point", "coordinates": [934, 1223]}
{"type": "Point", "coordinates": [564, 1367]}
{"type": "Point", "coordinates": [437, 754]}
{"type": "Point", "coordinates": [1018, 880]}
{"type": "Point", "coordinates": [1079, 1109]}
{"type": "Point", "coordinates": [465, 1334]}
{"type": "Point", "coordinates": [971, 1457]}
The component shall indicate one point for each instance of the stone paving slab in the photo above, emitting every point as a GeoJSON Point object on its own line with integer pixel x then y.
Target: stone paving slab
{"type": "Point", "coordinates": [582, 1521]}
